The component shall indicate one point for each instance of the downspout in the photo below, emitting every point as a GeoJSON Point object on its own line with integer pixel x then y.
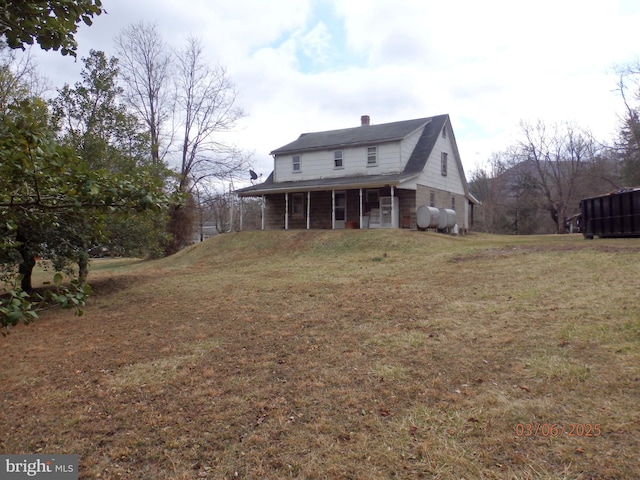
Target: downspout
{"type": "Point", "coordinates": [262, 211]}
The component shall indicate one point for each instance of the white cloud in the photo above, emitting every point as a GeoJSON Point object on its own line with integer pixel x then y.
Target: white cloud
{"type": "Point", "coordinates": [305, 65]}
{"type": "Point", "coordinates": [316, 44]}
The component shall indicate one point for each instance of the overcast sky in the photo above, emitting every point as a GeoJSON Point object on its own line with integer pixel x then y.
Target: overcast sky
{"type": "Point", "coordinates": [312, 65]}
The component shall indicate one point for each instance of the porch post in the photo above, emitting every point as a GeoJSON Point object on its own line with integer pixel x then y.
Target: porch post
{"type": "Point", "coordinates": [333, 209]}
{"type": "Point", "coordinates": [241, 211]}
{"type": "Point", "coordinates": [262, 212]}
{"type": "Point", "coordinates": [361, 212]}
{"type": "Point", "coordinates": [392, 210]}
{"type": "Point", "coordinates": [286, 210]}
{"type": "Point", "coordinates": [308, 209]}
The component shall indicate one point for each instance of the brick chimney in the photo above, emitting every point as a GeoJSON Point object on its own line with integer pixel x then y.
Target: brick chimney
{"type": "Point", "coordinates": [365, 120]}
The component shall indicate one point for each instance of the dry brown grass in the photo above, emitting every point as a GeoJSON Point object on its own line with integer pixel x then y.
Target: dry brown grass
{"type": "Point", "coordinates": [340, 355]}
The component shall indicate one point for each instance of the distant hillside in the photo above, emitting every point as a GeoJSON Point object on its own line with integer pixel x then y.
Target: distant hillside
{"type": "Point", "coordinates": [514, 198]}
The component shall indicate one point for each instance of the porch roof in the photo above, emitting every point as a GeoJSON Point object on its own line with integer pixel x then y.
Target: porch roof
{"type": "Point", "coordinates": [337, 183]}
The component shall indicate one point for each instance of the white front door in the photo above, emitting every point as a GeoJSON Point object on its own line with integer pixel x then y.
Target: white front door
{"type": "Point", "coordinates": [340, 209]}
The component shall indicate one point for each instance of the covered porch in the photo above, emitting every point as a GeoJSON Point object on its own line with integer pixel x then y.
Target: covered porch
{"type": "Point", "coordinates": [373, 203]}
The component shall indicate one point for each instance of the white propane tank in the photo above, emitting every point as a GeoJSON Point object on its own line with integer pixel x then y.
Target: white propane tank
{"type": "Point", "coordinates": [447, 218]}
{"type": "Point", "coordinates": [427, 217]}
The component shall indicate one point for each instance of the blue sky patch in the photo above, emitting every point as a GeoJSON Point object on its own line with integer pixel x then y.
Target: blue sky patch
{"type": "Point", "coordinates": [321, 45]}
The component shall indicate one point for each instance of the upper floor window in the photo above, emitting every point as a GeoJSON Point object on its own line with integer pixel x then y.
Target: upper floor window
{"type": "Point", "coordinates": [372, 155]}
{"type": "Point", "coordinates": [296, 163]}
{"type": "Point", "coordinates": [444, 132]}
{"type": "Point", "coordinates": [443, 168]}
{"type": "Point", "coordinates": [337, 159]}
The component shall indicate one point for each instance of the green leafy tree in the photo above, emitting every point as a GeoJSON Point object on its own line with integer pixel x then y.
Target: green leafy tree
{"type": "Point", "coordinates": [93, 122]}
{"type": "Point", "coordinates": [48, 194]}
{"type": "Point", "coordinates": [50, 23]}
{"type": "Point", "coordinates": [100, 129]}
{"type": "Point", "coordinates": [18, 305]}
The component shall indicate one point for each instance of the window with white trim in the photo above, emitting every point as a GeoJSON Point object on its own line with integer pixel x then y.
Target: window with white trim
{"type": "Point", "coordinates": [432, 199]}
{"type": "Point", "coordinates": [372, 155]}
{"type": "Point", "coordinates": [296, 163]}
{"type": "Point", "coordinates": [443, 168]}
{"type": "Point", "coordinates": [337, 159]}
{"type": "Point", "coordinates": [453, 203]}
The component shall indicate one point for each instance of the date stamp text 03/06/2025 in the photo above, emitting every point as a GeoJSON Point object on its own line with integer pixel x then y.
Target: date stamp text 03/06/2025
{"type": "Point", "coordinates": [558, 429]}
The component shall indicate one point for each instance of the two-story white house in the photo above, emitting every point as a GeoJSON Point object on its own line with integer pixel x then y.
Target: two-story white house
{"type": "Point", "coordinates": [371, 176]}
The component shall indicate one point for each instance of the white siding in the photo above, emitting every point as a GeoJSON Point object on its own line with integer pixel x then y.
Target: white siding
{"type": "Point", "coordinates": [320, 164]}
{"type": "Point", "coordinates": [432, 176]}
{"type": "Point", "coordinates": [392, 157]}
{"type": "Point", "coordinates": [408, 144]}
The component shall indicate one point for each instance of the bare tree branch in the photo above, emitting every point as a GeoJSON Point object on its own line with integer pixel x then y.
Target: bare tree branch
{"type": "Point", "coordinates": [146, 68]}
{"type": "Point", "coordinates": [207, 101]}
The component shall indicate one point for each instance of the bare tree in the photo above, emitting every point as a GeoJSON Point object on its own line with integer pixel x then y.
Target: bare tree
{"type": "Point", "coordinates": [487, 184]}
{"type": "Point", "coordinates": [146, 69]}
{"type": "Point", "coordinates": [19, 76]}
{"type": "Point", "coordinates": [200, 101]}
{"type": "Point", "coordinates": [628, 145]}
{"type": "Point", "coordinates": [205, 109]}
{"type": "Point", "coordinates": [207, 106]}
{"type": "Point", "coordinates": [557, 155]}
{"type": "Point", "coordinates": [509, 195]}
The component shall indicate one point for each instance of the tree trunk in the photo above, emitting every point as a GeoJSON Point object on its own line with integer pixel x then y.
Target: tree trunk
{"type": "Point", "coordinates": [26, 272]}
{"type": "Point", "coordinates": [83, 268]}
{"type": "Point", "coordinates": [180, 227]}
{"type": "Point", "coordinates": [25, 269]}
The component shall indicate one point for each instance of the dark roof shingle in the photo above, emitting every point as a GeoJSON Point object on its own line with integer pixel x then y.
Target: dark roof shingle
{"type": "Point", "coordinates": [366, 134]}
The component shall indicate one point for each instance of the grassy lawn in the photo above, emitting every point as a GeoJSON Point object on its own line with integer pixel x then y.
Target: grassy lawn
{"type": "Point", "coordinates": [341, 355]}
